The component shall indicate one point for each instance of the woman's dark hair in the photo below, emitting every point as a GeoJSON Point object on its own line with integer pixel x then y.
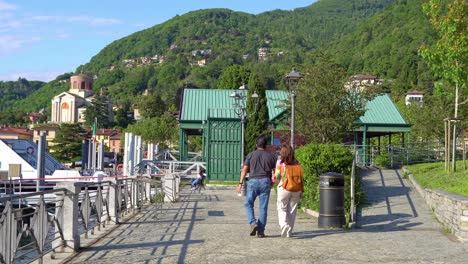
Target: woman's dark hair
{"type": "Point", "coordinates": [287, 155]}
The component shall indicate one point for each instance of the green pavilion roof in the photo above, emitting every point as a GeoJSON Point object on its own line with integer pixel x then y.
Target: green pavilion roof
{"type": "Point", "coordinates": [199, 104]}
{"type": "Point", "coordinates": [382, 115]}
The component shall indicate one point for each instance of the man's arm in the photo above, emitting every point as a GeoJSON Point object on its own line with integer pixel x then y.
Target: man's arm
{"type": "Point", "coordinates": [245, 170]}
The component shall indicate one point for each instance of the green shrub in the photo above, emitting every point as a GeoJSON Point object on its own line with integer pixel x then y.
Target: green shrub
{"type": "Point", "coordinates": [383, 161]}
{"type": "Point", "coordinates": [317, 159]}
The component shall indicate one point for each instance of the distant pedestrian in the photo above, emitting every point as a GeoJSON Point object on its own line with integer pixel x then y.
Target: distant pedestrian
{"type": "Point", "coordinates": [199, 179]}
{"type": "Point", "coordinates": [290, 189]}
{"type": "Point", "coordinates": [260, 165]}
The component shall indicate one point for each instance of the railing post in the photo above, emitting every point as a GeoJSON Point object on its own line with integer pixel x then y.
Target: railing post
{"type": "Point", "coordinates": [148, 191]}
{"type": "Point", "coordinates": [169, 182]}
{"type": "Point", "coordinates": [113, 202]}
{"type": "Point", "coordinates": [68, 216]}
{"type": "Point", "coordinates": [177, 186]}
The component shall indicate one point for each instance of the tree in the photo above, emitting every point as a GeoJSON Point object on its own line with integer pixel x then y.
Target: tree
{"type": "Point", "coordinates": [233, 77]}
{"type": "Point", "coordinates": [67, 144]}
{"type": "Point", "coordinates": [121, 117]}
{"type": "Point", "coordinates": [448, 57]}
{"type": "Point", "coordinates": [162, 129]}
{"type": "Point", "coordinates": [98, 110]}
{"type": "Point", "coordinates": [152, 106]}
{"type": "Point", "coordinates": [325, 109]}
{"type": "Point", "coordinates": [257, 113]}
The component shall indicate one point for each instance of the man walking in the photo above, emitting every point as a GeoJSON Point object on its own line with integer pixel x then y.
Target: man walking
{"type": "Point", "coordinates": [260, 165]}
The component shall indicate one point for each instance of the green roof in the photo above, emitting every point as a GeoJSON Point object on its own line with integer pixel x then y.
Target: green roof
{"type": "Point", "coordinates": [382, 114]}
{"type": "Point", "coordinates": [197, 103]}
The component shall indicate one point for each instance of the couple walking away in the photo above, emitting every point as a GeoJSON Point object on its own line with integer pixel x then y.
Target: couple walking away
{"type": "Point", "coordinates": [261, 165]}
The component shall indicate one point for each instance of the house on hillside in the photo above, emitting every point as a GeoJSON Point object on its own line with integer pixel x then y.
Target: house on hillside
{"type": "Point", "coordinates": [262, 54]}
{"type": "Point", "coordinates": [414, 96]}
{"type": "Point", "coordinates": [361, 81]}
{"type": "Point", "coordinates": [111, 138]}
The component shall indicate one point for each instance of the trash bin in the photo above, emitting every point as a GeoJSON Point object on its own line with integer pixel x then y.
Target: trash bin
{"type": "Point", "coordinates": [331, 200]}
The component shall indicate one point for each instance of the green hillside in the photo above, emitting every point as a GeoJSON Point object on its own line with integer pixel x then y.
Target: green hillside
{"type": "Point", "coordinates": [373, 36]}
{"type": "Point", "coordinates": [387, 44]}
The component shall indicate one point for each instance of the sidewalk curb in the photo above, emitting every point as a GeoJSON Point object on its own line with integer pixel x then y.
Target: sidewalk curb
{"type": "Point", "coordinates": [310, 212]}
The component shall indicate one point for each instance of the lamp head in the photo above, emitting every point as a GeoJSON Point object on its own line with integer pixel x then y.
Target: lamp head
{"type": "Point", "coordinates": [292, 77]}
{"type": "Point", "coordinates": [243, 87]}
{"type": "Point", "coordinates": [234, 95]}
{"type": "Point", "coordinates": [254, 95]}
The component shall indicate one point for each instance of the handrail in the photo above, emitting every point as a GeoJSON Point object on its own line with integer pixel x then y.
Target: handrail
{"type": "Point", "coordinates": [23, 196]}
{"type": "Point", "coordinates": [78, 208]}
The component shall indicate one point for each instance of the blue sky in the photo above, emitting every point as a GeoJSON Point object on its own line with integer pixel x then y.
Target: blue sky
{"type": "Point", "coordinates": [42, 39]}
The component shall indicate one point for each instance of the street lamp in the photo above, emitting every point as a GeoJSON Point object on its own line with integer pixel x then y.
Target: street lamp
{"type": "Point", "coordinates": [292, 80]}
{"type": "Point", "coordinates": [239, 108]}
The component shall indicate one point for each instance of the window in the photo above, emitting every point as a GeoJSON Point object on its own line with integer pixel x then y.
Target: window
{"type": "Point", "coordinates": [82, 85]}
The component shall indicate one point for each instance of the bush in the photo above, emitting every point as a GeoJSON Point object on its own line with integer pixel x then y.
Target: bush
{"type": "Point", "coordinates": [383, 161]}
{"type": "Point", "coordinates": [317, 159]}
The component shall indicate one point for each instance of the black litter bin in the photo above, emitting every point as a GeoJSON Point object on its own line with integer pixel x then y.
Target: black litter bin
{"type": "Point", "coordinates": [331, 200]}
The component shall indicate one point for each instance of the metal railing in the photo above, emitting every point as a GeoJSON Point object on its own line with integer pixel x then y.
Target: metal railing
{"type": "Point", "coordinates": [36, 224]}
{"type": "Point", "coordinates": [403, 154]}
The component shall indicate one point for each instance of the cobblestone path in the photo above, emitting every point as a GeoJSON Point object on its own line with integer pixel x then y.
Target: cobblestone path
{"type": "Point", "coordinates": [210, 227]}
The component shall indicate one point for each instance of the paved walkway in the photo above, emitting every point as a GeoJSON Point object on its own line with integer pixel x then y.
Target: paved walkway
{"type": "Point", "coordinates": [210, 227]}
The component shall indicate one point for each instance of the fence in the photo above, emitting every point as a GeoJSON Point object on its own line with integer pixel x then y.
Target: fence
{"type": "Point", "coordinates": [403, 154]}
{"type": "Point", "coordinates": [35, 224]}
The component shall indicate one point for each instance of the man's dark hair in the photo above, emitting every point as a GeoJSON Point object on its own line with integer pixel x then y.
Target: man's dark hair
{"type": "Point", "coordinates": [261, 142]}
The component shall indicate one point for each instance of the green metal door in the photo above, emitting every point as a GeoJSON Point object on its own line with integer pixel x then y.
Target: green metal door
{"type": "Point", "coordinates": [224, 147]}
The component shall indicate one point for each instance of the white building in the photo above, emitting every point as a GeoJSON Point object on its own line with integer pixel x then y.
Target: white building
{"type": "Point", "coordinates": [69, 107]}
{"type": "Point", "coordinates": [360, 81]}
{"type": "Point", "coordinates": [414, 96]}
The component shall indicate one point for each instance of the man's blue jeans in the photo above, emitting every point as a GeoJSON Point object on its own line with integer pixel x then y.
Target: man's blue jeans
{"type": "Point", "coordinates": [258, 187]}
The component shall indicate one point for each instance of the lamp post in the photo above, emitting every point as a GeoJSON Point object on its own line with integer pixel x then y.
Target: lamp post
{"type": "Point", "coordinates": [292, 80]}
{"type": "Point", "coordinates": [239, 108]}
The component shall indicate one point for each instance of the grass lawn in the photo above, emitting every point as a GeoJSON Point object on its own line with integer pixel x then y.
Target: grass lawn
{"type": "Point", "coordinates": [433, 176]}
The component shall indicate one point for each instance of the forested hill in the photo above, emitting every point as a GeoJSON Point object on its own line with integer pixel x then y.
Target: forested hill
{"type": "Point", "coordinates": [379, 37]}
{"type": "Point", "coordinates": [12, 91]}
{"type": "Point", "coordinates": [223, 30]}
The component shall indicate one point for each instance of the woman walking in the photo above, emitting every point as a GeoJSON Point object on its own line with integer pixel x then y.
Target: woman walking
{"type": "Point", "coordinates": [290, 188]}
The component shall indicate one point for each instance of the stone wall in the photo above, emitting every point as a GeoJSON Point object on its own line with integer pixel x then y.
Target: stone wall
{"type": "Point", "coordinates": [451, 209]}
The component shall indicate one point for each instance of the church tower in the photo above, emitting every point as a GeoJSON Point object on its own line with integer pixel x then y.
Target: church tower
{"type": "Point", "coordinates": [81, 85]}
{"type": "Point", "coordinates": [69, 107]}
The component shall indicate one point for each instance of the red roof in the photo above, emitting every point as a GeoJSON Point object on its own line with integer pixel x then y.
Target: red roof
{"type": "Point", "coordinates": [117, 136]}
{"type": "Point", "coordinates": [16, 130]}
{"type": "Point", "coordinates": [363, 77]}
{"type": "Point", "coordinates": [106, 132]}
{"type": "Point", "coordinates": [415, 92]}
{"type": "Point", "coordinates": [47, 127]}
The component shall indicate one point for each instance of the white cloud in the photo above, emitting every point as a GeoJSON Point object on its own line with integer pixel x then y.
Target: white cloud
{"type": "Point", "coordinates": [44, 76]}
{"type": "Point", "coordinates": [11, 43]}
{"type": "Point", "coordinates": [6, 6]}
{"type": "Point", "coordinates": [94, 21]}
{"type": "Point", "coordinates": [46, 18]}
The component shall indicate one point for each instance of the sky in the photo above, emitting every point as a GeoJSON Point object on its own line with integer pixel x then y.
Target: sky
{"type": "Point", "coordinates": [40, 40]}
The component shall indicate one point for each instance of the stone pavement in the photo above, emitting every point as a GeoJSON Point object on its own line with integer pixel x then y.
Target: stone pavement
{"type": "Point", "coordinates": [211, 227]}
